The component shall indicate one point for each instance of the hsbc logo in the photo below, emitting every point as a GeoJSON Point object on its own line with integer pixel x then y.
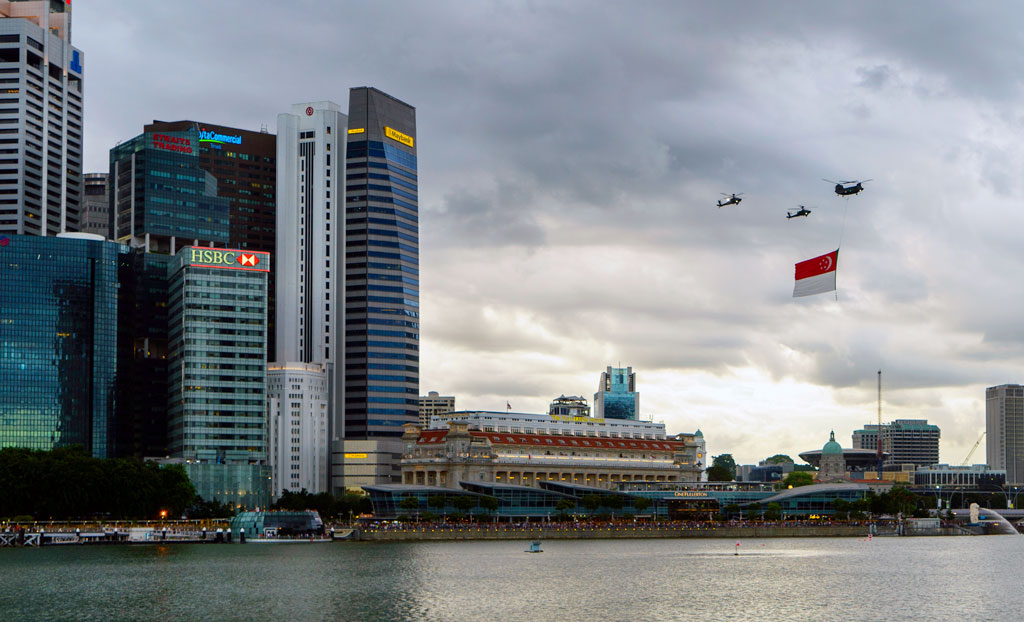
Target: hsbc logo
{"type": "Point", "coordinates": [228, 259]}
{"type": "Point", "coordinates": [248, 259]}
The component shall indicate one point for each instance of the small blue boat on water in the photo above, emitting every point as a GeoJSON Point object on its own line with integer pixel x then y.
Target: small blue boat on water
{"type": "Point", "coordinates": [534, 547]}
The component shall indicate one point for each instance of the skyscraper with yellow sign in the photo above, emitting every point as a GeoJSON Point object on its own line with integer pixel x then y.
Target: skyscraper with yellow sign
{"type": "Point", "coordinates": [381, 321]}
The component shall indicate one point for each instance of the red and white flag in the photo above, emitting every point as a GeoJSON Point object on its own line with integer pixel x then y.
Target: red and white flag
{"type": "Point", "coordinates": [817, 275]}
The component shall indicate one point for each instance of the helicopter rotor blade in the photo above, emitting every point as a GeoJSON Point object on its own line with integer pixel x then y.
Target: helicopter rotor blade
{"type": "Point", "coordinates": [864, 181]}
{"type": "Point", "coordinates": [829, 181]}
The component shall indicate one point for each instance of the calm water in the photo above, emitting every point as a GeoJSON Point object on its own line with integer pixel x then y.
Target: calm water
{"type": "Point", "coordinates": [968, 578]}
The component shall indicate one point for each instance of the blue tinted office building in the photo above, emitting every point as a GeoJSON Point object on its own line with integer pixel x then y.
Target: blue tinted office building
{"type": "Point", "coordinates": [382, 286]}
{"type": "Point", "coordinates": [58, 341]}
{"type": "Point", "coordinates": [617, 397]}
{"type": "Point", "coordinates": [161, 199]}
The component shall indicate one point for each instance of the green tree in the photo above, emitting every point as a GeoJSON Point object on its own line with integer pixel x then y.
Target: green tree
{"type": "Point", "coordinates": [563, 506]}
{"type": "Point", "coordinates": [641, 504]}
{"type": "Point", "coordinates": [795, 479]}
{"type": "Point", "coordinates": [489, 503]}
{"type": "Point", "coordinates": [201, 509]}
{"type": "Point", "coordinates": [773, 511]}
{"type": "Point", "coordinates": [753, 511]}
{"type": "Point", "coordinates": [901, 500]}
{"type": "Point", "coordinates": [409, 504]}
{"type": "Point", "coordinates": [464, 503]}
{"type": "Point", "coordinates": [613, 502]}
{"type": "Point", "coordinates": [842, 508]}
{"type": "Point", "coordinates": [731, 509]}
{"type": "Point", "coordinates": [726, 461]}
{"type": "Point", "coordinates": [591, 503]}
{"type": "Point", "coordinates": [717, 473]}
{"type": "Point", "coordinates": [778, 459]}
{"type": "Point", "coordinates": [438, 502]}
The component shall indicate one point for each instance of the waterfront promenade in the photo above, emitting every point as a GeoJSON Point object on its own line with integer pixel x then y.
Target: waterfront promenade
{"type": "Point", "coordinates": [397, 531]}
{"type": "Point", "coordinates": [409, 532]}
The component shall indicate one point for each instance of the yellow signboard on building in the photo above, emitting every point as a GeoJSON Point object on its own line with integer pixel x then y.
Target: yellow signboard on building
{"type": "Point", "coordinates": [355, 456]}
{"type": "Point", "coordinates": [394, 134]}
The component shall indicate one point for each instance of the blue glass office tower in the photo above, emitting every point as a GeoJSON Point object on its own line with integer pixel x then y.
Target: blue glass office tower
{"type": "Point", "coordinates": [161, 199]}
{"type": "Point", "coordinates": [617, 397]}
{"type": "Point", "coordinates": [380, 319]}
{"type": "Point", "coordinates": [58, 341]}
{"type": "Point", "coordinates": [382, 287]}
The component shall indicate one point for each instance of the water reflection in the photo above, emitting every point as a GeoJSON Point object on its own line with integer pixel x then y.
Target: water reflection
{"type": "Point", "coordinates": [682, 579]}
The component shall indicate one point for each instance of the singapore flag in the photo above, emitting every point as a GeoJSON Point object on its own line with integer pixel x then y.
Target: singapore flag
{"type": "Point", "coordinates": [817, 275]}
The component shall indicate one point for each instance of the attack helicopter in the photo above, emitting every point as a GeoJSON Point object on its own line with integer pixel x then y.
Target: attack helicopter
{"type": "Point", "coordinates": [844, 189]}
{"type": "Point", "coordinates": [803, 211]}
{"type": "Point", "coordinates": [733, 199]}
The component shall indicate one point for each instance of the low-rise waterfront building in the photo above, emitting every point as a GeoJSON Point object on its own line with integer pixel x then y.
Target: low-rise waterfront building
{"type": "Point", "coordinates": [682, 501]}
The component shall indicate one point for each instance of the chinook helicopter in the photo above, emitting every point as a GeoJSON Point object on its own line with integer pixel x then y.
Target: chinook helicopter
{"type": "Point", "coordinates": [844, 189]}
{"type": "Point", "coordinates": [733, 199]}
{"type": "Point", "coordinates": [803, 211]}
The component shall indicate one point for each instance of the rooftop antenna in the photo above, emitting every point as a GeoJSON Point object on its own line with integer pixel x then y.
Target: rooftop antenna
{"type": "Point", "coordinates": [263, 128]}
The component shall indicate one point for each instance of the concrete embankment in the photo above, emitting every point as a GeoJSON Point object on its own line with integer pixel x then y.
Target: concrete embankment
{"type": "Point", "coordinates": [571, 533]}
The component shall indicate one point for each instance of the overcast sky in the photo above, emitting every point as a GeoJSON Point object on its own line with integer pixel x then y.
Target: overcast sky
{"type": "Point", "coordinates": [570, 157]}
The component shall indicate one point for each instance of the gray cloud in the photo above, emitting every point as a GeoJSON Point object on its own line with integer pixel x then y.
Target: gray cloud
{"type": "Point", "coordinates": [570, 159]}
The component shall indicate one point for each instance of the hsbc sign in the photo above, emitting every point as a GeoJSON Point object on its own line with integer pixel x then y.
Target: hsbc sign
{"type": "Point", "coordinates": [229, 259]}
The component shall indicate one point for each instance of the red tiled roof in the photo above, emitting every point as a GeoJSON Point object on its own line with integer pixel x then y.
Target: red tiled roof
{"type": "Point", "coordinates": [502, 438]}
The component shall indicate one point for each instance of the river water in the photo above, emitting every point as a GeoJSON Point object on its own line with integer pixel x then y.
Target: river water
{"type": "Point", "coordinates": [806, 579]}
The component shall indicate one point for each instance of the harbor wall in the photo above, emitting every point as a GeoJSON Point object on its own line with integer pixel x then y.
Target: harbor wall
{"type": "Point", "coordinates": [570, 533]}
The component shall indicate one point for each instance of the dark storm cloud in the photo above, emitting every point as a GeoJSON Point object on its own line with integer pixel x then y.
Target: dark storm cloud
{"type": "Point", "coordinates": [571, 154]}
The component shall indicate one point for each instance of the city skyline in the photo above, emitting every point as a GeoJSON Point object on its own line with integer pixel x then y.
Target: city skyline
{"type": "Point", "coordinates": [571, 170]}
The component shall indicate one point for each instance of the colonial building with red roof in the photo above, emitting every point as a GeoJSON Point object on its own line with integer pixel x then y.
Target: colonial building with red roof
{"type": "Point", "coordinates": [444, 457]}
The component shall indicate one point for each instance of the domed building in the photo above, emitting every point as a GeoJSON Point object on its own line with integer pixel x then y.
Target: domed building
{"type": "Point", "coordinates": [832, 465]}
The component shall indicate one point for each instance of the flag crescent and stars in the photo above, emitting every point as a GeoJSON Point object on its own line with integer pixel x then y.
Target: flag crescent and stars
{"type": "Point", "coordinates": [816, 275]}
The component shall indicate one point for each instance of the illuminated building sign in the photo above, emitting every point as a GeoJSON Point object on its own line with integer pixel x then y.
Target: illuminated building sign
{"type": "Point", "coordinates": [206, 136]}
{"type": "Point", "coordinates": [76, 62]}
{"type": "Point", "coordinates": [172, 143]}
{"type": "Point", "coordinates": [689, 493]}
{"type": "Point", "coordinates": [400, 137]}
{"type": "Point", "coordinates": [229, 259]}
{"type": "Point", "coordinates": [356, 456]}
{"type": "Point", "coordinates": [357, 130]}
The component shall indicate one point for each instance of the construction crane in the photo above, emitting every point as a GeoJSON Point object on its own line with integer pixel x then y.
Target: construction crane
{"type": "Point", "coordinates": [973, 449]}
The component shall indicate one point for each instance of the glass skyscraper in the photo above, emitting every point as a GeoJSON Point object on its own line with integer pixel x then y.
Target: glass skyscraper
{"type": "Point", "coordinates": [58, 341]}
{"type": "Point", "coordinates": [382, 286]}
{"type": "Point", "coordinates": [161, 199]}
{"type": "Point", "coordinates": [217, 365]}
{"type": "Point", "coordinates": [617, 397]}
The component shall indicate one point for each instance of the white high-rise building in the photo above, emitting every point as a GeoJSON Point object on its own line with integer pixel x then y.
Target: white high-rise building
{"type": "Point", "coordinates": [297, 409]}
{"type": "Point", "coordinates": [310, 275]}
{"type": "Point", "coordinates": [1004, 427]}
{"type": "Point", "coordinates": [40, 119]}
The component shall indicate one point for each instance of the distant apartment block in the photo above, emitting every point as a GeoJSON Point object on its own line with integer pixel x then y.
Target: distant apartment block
{"type": "Point", "coordinates": [1004, 426]}
{"type": "Point", "coordinates": [433, 404]}
{"type": "Point", "coordinates": [906, 441]}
